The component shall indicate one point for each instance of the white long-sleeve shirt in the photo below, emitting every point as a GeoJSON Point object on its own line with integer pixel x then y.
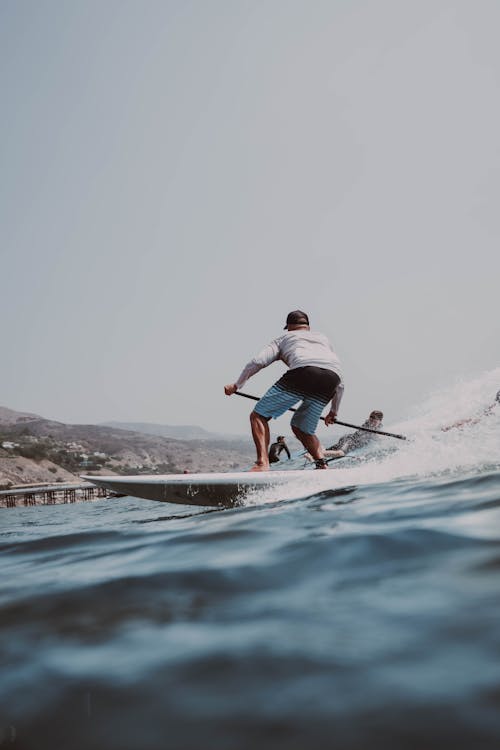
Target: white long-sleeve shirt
{"type": "Point", "coordinates": [299, 348]}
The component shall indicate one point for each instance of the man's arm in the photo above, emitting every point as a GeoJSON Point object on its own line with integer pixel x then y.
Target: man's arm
{"type": "Point", "coordinates": [471, 420]}
{"type": "Point", "coordinates": [269, 354]}
{"type": "Point", "coordinates": [461, 423]}
{"type": "Point", "coordinates": [334, 406]}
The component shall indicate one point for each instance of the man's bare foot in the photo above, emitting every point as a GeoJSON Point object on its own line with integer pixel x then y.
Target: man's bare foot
{"type": "Point", "coordinates": [260, 467]}
{"type": "Point", "coordinates": [321, 463]}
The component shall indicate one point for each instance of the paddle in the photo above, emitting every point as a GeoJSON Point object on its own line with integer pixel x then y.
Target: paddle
{"type": "Point", "coordinates": [343, 424]}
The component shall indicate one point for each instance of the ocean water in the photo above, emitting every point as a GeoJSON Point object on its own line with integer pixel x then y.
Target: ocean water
{"type": "Point", "coordinates": [359, 608]}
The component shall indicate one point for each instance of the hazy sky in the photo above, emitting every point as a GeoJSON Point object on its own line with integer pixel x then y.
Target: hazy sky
{"type": "Point", "coordinates": [176, 176]}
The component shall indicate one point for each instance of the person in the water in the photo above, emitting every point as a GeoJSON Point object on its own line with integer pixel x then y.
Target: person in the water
{"type": "Point", "coordinates": [474, 420]}
{"type": "Point", "coordinates": [276, 448]}
{"type": "Point", "coordinates": [314, 378]}
{"type": "Point", "coordinates": [358, 439]}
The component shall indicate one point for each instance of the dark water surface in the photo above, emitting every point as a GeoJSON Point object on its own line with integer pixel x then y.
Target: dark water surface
{"type": "Point", "coordinates": [362, 616]}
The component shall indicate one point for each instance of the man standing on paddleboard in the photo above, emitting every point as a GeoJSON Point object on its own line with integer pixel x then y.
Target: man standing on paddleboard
{"type": "Point", "coordinates": [314, 377]}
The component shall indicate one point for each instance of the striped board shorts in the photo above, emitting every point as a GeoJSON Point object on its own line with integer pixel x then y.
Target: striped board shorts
{"type": "Point", "coordinates": [313, 386]}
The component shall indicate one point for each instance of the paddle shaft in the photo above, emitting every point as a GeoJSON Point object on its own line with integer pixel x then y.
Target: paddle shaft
{"type": "Point", "coordinates": [367, 429]}
{"type": "Point", "coordinates": [343, 424]}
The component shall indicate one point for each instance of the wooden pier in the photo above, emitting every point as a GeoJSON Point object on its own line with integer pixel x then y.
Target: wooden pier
{"type": "Point", "coordinates": [55, 494]}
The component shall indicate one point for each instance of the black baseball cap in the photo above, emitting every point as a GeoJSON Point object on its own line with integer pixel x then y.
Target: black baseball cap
{"type": "Point", "coordinates": [296, 318]}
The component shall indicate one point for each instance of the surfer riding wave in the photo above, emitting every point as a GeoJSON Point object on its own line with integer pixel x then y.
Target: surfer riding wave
{"type": "Point", "coordinates": [314, 378]}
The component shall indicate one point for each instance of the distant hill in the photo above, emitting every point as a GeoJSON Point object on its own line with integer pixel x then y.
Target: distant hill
{"type": "Point", "coordinates": [9, 416]}
{"type": "Point", "coordinates": [123, 451]}
{"type": "Point", "coordinates": [179, 432]}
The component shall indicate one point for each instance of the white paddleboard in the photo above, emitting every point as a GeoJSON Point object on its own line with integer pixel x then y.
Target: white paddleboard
{"type": "Point", "coordinates": [197, 489]}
